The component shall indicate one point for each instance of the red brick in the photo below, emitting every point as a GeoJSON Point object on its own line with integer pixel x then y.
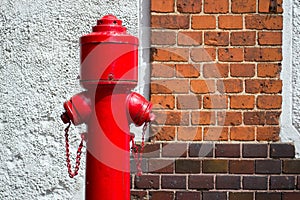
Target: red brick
{"type": "Point", "coordinates": [165, 133]}
{"type": "Point", "coordinates": [241, 195]}
{"type": "Point", "coordinates": [215, 166]}
{"type": "Point", "coordinates": [268, 133]}
{"type": "Point", "coordinates": [215, 101]}
{"type": "Point", "coordinates": [282, 150]}
{"type": "Point", "coordinates": [189, 102]}
{"type": "Point", "coordinates": [279, 6]}
{"type": "Point", "coordinates": [147, 182]}
{"type": "Point", "coordinates": [162, 70]}
{"type": "Point", "coordinates": [173, 182]}
{"type": "Point", "coordinates": [169, 54]}
{"type": "Point", "coordinates": [215, 70]}
{"type": "Point", "coordinates": [242, 102]}
{"type": "Point", "coordinates": [203, 118]}
{"type": "Point", "coordinates": [189, 133]}
{"type": "Point", "coordinates": [201, 182]}
{"type": "Point", "coordinates": [268, 195]}
{"type": "Point", "coordinates": [187, 195]}
{"type": "Point", "coordinates": [273, 117]}
{"type": "Point", "coordinates": [242, 70]}
{"type": "Point", "coordinates": [212, 6]}
{"type": "Point", "coordinates": [244, 38]}
{"type": "Point", "coordinates": [228, 182]}
{"type": "Point", "coordinates": [255, 182]}
{"type": "Point", "coordinates": [171, 117]}
{"type": "Point", "coordinates": [204, 22]}
{"type": "Point", "coordinates": [230, 22]}
{"type": "Point", "coordinates": [209, 195]}
{"type": "Point", "coordinates": [162, 5]}
{"type": "Point", "coordinates": [231, 54]}
{"type": "Point", "coordinates": [242, 133]}
{"type": "Point", "coordinates": [243, 6]}
{"type": "Point", "coordinates": [188, 38]}
{"type": "Point", "coordinates": [161, 165]}
{"type": "Point", "coordinates": [203, 54]}
{"type": "Point", "coordinates": [163, 101]}
{"type": "Point", "coordinates": [189, 6]}
{"type": "Point", "coordinates": [215, 133]}
{"type": "Point", "coordinates": [255, 150]}
{"type": "Point", "coordinates": [263, 86]}
{"type": "Point", "coordinates": [201, 150]}
{"type": "Point", "coordinates": [229, 118]}
{"type": "Point", "coordinates": [138, 194]}
{"type": "Point", "coordinates": [230, 86]}
{"type": "Point", "coordinates": [169, 86]}
{"type": "Point", "coordinates": [163, 37]}
{"type": "Point", "coordinates": [282, 183]}
{"type": "Point", "coordinates": [269, 101]}
{"type": "Point", "coordinates": [151, 150]}
{"type": "Point", "coordinates": [170, 21]}
{"type": "Point", "coordinates": [268, 166]}
{"type": "Point", "coordinates": [259, 22]}
{"type": "Point", "coordinates": [268, 70]}
{"type": "Point", "coordinates": [165, 195]}
{"type": "Point", "coordinates": [290, 195]}
{"type": "Point", "coordinates": [254, 118]}
{"type": "Point", "coordinates": [172, 150]}
{"type": "Point", "coordinates": [202, 86]}
{"type": "Point", "coordinates": [270, 38]}
{"type": "Point", "coordinates": [187, 166]}
{"type": "Point", "coordinates": [291, 166]}
{"type": "Point", "coordinates": [216, 38]}
{"type": "Point", "coordinates": [241, 167]}
{"type": "Point", "coordinates": [263, 54]}
{"type": "Point", "coordinates": [187, 70]}
{"type": "Point", "coordinates": [264, 6]}
{"type": "Point", "coordinates": [227, 150]}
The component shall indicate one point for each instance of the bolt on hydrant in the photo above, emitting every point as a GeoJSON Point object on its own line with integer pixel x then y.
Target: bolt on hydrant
{"type": "Point", "coordinates": [109, 64]}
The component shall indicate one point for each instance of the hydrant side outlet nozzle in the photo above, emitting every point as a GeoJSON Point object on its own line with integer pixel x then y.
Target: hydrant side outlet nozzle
{"type": "Point", "coordinates": [139, 109]}
{"type": "Point", "coordinates": [77, 109]}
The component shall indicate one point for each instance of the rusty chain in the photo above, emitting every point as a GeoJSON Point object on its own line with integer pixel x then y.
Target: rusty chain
{"type": "Point", "coordinates": [78, 154]}
{"type": "Point", "coordinates": [138, 153]}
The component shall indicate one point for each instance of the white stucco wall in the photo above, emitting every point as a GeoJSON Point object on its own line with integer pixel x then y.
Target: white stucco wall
{"type": "Point", "coordinates": [290, 74]}
{"type": "Point", "coordinates": [39, 65]}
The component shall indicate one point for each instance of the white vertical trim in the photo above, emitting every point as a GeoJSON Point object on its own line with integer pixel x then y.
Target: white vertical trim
{"type": "Point", "coordinates": [288, 132]}
{"type": "Point", "coordinates": [144, 34]}
{"type": "Point", "coordinates": [144, 48]}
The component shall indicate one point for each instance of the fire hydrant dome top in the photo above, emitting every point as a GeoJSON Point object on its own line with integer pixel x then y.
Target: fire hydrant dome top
{"type": "Point", "coordinates": [109, 29]}
{"type": "Point", "coordinates": [110, 19]}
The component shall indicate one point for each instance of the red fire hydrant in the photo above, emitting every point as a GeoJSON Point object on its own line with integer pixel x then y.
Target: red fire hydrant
{"type": "Point", "coordinates": [109, 61]}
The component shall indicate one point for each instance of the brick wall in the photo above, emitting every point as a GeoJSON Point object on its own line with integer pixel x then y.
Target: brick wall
{"type": "Point", "coordinates": [215, 70]}
{"type": "Point", "coordinates": [221, 171]}
{"type": "Point", "coordinates": [216, 90]}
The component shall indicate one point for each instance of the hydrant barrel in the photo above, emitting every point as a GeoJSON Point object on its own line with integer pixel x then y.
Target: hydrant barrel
{"type": "Point", "coordinates": [108, 147]}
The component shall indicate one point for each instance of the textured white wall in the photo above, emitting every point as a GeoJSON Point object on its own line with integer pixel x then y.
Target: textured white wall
{"type": "Point", "coordinates": [290, 74]}
{"type": "Point", "coordinates": [296, 64]}
{"type": "Point", "coordinates": [39, 65]}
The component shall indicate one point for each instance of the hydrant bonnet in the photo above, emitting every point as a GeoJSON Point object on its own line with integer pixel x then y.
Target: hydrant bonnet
{"type": "Point", "coordinates": [109, 55]}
